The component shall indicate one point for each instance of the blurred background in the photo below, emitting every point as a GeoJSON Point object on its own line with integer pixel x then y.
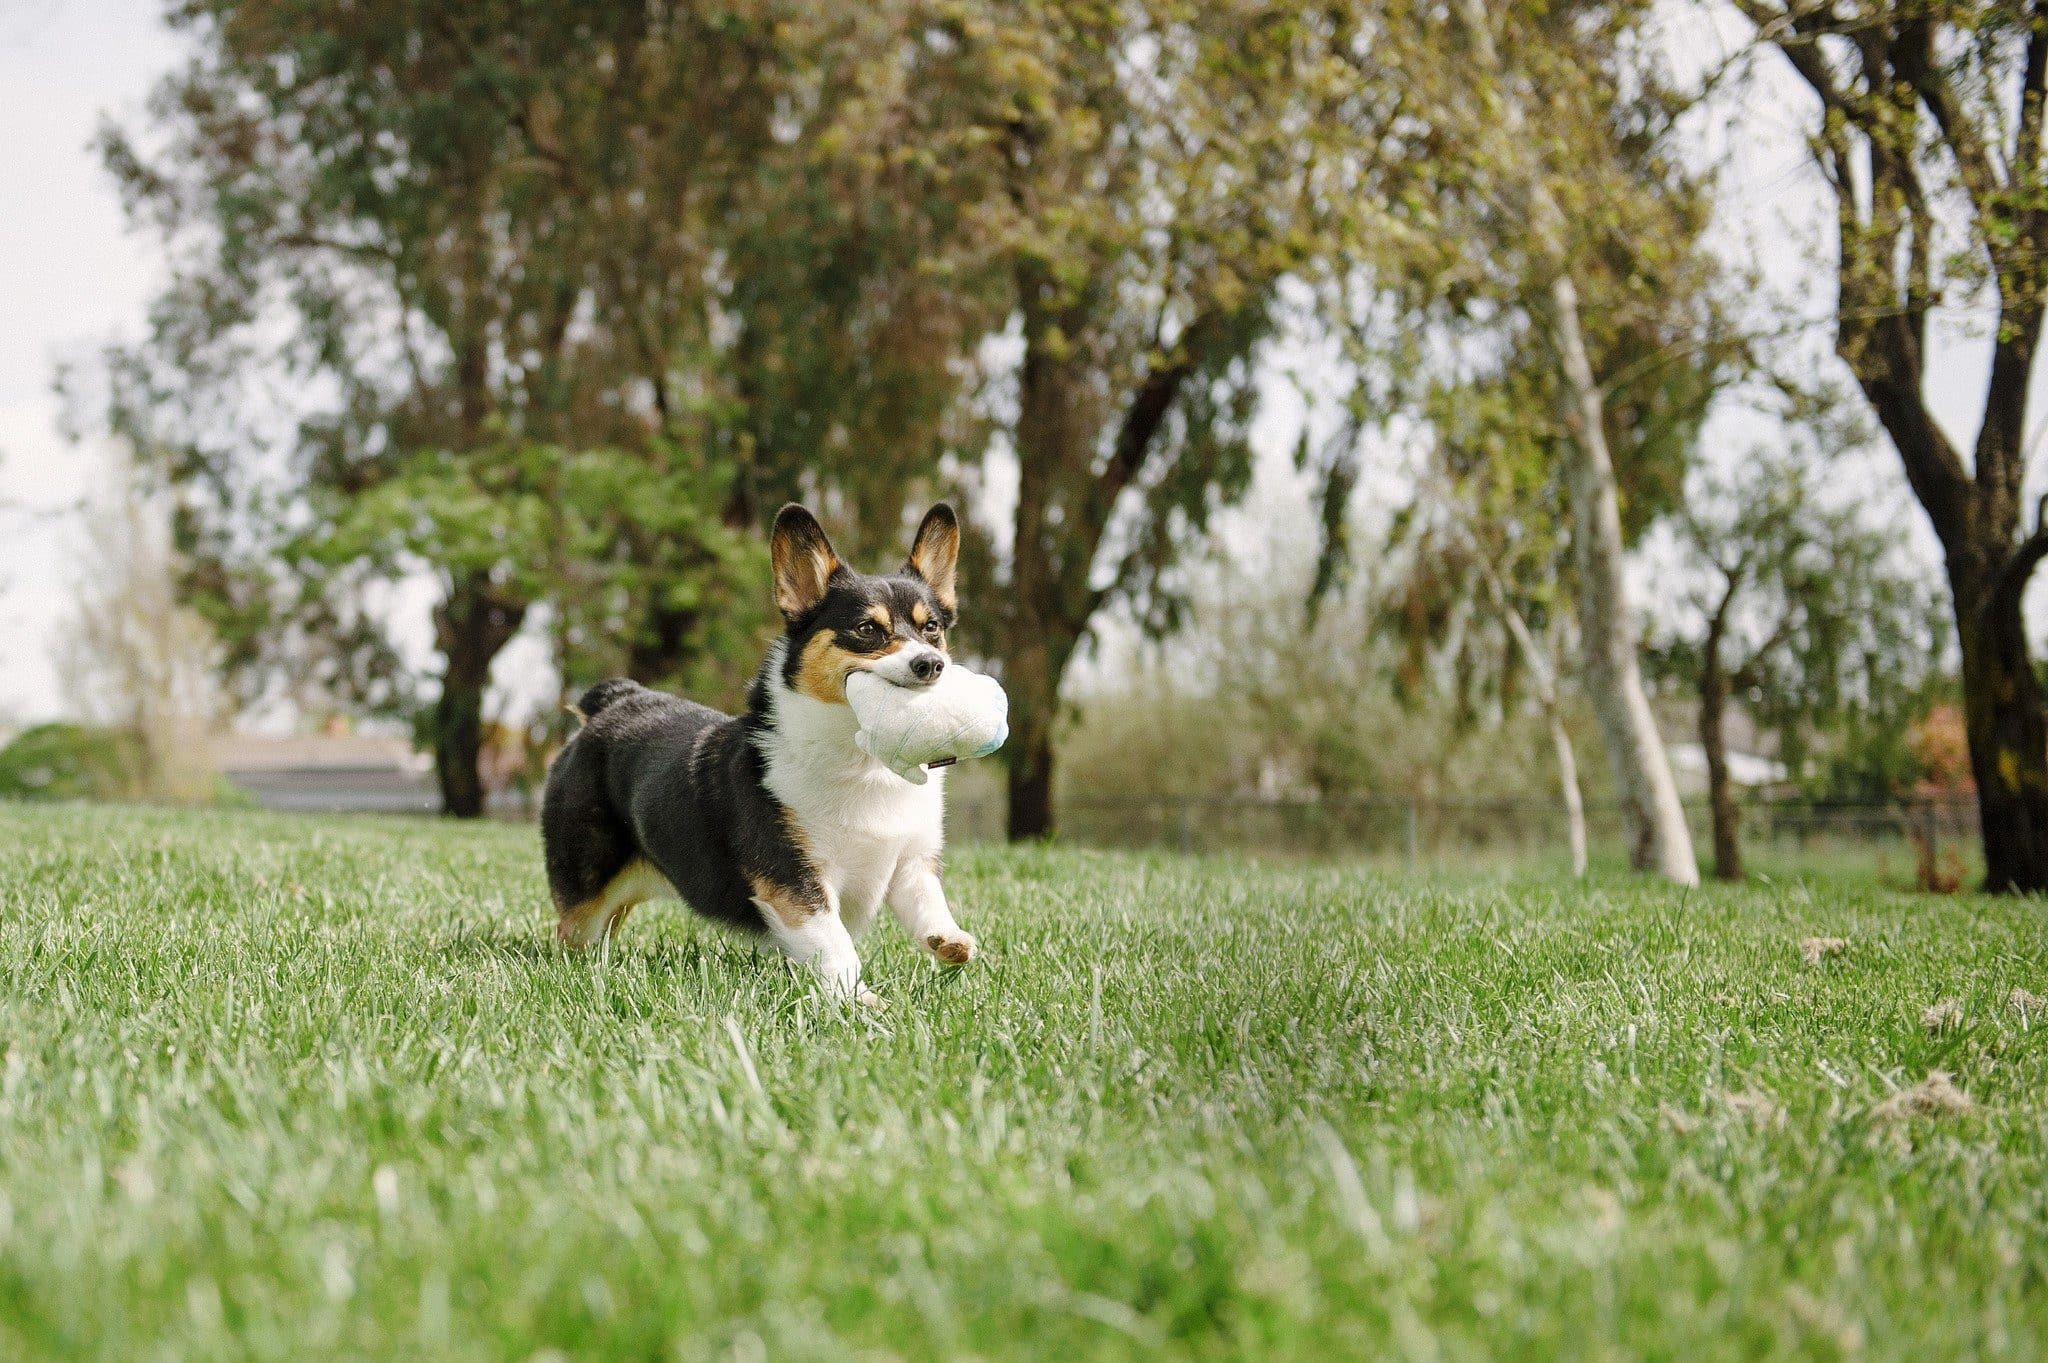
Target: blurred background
{"type": "Point", "coordinates": [1418, 432]}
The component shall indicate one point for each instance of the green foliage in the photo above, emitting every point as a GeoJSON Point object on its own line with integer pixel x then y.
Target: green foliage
{"type": "Point", "coordinates": [1829, 632]}
{"type": "Point", "coordinates": [66, 761]}
{"type": "Point", "coordinates": [562, 295]}
{"type": "Point", "coordinates": [1866, 753]}
{"type": "Point", "coordinates": [1141, 207]}
{"type": "Point", "coordinates": [70, 762]}
{"type": "Point", "coordinates": [1443, 307]}
{"type": "Point", "coordinates": [1254, 698]}
{"type": "Point", "coordinates": [1441, 295]}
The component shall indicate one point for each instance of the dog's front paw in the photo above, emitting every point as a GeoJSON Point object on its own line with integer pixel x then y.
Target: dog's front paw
{"type": "Point", "coordinates": [953, 948]}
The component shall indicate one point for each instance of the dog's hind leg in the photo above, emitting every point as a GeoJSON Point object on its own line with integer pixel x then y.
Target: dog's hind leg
{"type": "Point", "coordinates": [596, 918]}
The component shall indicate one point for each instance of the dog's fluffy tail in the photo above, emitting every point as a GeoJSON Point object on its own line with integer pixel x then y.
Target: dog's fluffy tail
{"type": "Point", "coordinates": [607, 692]}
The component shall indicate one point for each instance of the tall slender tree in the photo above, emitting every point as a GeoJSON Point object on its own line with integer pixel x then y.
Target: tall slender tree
{"type": "Point", "coordinates": [1545, 245]}
{"type": "Point", "coordinates": [1607, 622]}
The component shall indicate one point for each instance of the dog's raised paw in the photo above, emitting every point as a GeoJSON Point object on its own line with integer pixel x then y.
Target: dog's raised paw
{"type": "Point", "coordinates": [952, 948]}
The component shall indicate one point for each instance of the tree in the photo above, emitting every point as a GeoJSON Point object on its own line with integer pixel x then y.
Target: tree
{"type": "Point", "coordinates": [1805, 610]}
{"type": "Point", "coordinates": [1472, 554]}
{"type": "Point", "coordinates": [342, 176]}
{"type": "Point", "coordinates": [1930, 139]}
{"type": "Point", "coordinates": [1612, 668]}
{"type": "Point", "coordinates": [1129, 181]}
{"type": "Point", "coordinates": [1545, 247]}
{"type": "Point", "coordinates": [562, 293]}
{"type": "Point", "coordinates": [134, 658]}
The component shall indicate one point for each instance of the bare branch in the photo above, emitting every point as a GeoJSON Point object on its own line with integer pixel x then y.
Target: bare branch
{"type": "Point", "coordinates": [2026, 556]}
{"type": "Point", "coordinates": [2026, 161]}
{"type": "Point", "coordinates": [1912, 55]}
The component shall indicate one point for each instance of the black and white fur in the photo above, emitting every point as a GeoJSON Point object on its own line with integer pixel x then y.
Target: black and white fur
{"type": "Point", "coordinates": [772, 822]}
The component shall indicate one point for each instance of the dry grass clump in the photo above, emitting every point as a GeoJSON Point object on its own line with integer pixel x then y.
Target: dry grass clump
{"type": "Point", "coordinates": [1939, 1017]}
{"type": "Point", "coordinates": [1760, 1110]}
{"type": "Point", "coordinates": [1934, 1096]}
{"type": "Point", "coordinates": [2026, 1000]}
{"type": "Point", "coordinates": [1817, 949]}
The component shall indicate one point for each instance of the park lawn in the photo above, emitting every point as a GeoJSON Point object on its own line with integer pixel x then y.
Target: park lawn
{"type": "Point", "coordinates": [294, 1088]}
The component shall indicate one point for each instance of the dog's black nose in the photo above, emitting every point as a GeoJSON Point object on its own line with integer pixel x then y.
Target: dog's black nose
{"type": "Point", "coordinates": [926, 667]}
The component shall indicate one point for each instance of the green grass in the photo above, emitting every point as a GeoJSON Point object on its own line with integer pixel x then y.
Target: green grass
{"type": "Point", "coordinates": [283, 1088]}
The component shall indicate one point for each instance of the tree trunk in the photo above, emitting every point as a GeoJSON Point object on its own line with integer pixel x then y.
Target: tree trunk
{"type": "Point", "coordinates": [470, 628]}
{"type": "Point", "coordinates": [1031, 674]}
{"type": "Point", "coordinates": [458, 745]}
{"type": "Point", "coordinates": [2002, 711]}
{"type": "Point", "coordinates": [1713, 740]}
{"type": "Point", "coordinates": [1568, 778]}
{"type": "Point", "coordinates": [1066, 497]}
{"type": "Point", "coordinates": [1614, 676]}
{"type": "Point", "coordinates": [1884, 318]}
{"type": "Point", "coordinates": [1030, 761]}
{"type": "Point", "coordinates": [1543, 670]}
{"type": "Point", "coordinates": [1052, 446]}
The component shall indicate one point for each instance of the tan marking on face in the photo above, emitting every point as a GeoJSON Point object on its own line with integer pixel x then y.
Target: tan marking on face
{"type": "Point", "coordinates": [920, 614]}
{"type": "Point", "coordinates": [821, 671]}
{"type": "Point", "coordinates": [880, 615]}
{"type": "Point", "coordinates": [789, 909]}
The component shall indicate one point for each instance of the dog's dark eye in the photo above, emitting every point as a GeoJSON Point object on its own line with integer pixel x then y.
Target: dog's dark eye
{"type": "Point", "coordinates": [931, 629]}
{"type": "Point", "coordinates": [868, 632]}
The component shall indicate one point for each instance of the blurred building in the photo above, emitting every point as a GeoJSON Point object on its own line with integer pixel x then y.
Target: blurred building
{"type": "Point", "coordinates": [329, 772]}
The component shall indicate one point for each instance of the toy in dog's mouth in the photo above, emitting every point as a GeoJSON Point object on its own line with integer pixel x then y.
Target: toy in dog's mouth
{"type": "Point", "coordinates": [913, 667]}
{"type": "Point", "coordinates": [959, 715]}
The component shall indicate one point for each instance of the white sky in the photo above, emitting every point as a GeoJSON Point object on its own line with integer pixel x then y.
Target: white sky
{"type": "Point", "coordinates": [73, 278]}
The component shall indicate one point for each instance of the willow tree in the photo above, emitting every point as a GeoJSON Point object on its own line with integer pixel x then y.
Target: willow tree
{"type": "Point", "coordinates": [1930, 140]}
{"type": "Point", "coordinates": [1545, 238]}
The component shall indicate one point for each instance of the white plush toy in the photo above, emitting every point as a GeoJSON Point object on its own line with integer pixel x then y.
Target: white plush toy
{"type": "Point", "coordinates": [908, 728]}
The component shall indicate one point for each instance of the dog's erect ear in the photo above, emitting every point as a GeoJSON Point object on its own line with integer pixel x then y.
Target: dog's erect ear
{"type": "Point", "coordinates": [935, 554]}
{"type": "Point", "coordinates": [803, 560]}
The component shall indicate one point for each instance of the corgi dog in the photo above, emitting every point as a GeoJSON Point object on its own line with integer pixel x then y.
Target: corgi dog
{"type": "Point", "coordinates": [772, 822]}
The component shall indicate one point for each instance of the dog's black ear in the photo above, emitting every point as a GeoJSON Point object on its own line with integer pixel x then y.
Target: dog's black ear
{"type": "Point", "coordinates": [935, 554]}
{"type": "Point", "coordinates": [803, 560]}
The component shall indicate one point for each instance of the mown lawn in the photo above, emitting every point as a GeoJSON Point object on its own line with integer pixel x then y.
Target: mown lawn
{"type": "Point", "coordinates": [287, 1088]}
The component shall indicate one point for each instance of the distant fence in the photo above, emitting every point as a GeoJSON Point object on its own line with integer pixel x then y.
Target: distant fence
{"type": "Point", "coordinates": [1418, 831]}
{"type": "Point", "coordinates": [1425, 831]}
{"type": "Point", "coordinates": [341, 789]}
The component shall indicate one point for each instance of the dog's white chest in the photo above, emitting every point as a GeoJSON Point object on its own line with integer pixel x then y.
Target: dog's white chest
{"type": "Point", "coordinates": [859, 821]}
{"type": "Point", "coordinates": [858, 856]}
